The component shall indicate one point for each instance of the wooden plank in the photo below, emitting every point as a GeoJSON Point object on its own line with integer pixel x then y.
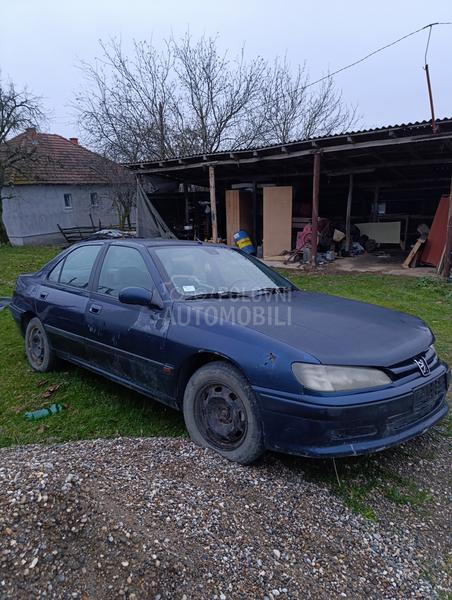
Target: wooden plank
{"type": "Point", "coordinates": [412, 254]}
{"type": "Point", "coordinates": [239, 214]}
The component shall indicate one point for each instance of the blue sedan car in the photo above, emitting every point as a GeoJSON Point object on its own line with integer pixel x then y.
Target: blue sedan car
{"type": "Point", "coordinates": [253, 362]}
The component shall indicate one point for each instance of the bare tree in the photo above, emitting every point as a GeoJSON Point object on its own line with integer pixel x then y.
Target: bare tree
{"type": "Point", "coordinates": [19, 110]}
{"type": "Point", "coordinates": [121, 188]}
{"type": "Point", "coordinates": [216, 93]}
{"type": "Point", "coordinates": [293, 110]}
{"type": "Point", "coordinates": [188, 98]}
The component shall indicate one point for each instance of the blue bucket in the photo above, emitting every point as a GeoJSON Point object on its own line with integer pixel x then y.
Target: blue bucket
{"type": "Point", "coordinates": [242, 241]}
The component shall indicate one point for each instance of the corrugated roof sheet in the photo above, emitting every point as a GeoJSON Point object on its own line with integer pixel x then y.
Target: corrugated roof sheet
{"type": "Point", "coordinates": [361, 132]}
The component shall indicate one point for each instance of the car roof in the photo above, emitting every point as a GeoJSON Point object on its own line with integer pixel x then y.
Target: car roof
{"type": "Point", "coordinates": [149, 242]}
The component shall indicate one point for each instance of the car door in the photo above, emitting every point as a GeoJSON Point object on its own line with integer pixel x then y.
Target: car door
{"type": "Point", "coordinates": [126, 341]}
{"type": "Point", "coordinates": [62, 300]}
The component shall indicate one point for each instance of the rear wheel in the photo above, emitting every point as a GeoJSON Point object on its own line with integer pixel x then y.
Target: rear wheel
{"type": "Point", "coordinates": [220, 412]}
{"type": "Point", "coordinates": [37, 347]}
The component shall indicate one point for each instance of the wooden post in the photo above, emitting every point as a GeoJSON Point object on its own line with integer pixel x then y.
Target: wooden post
{"type": "Point", "coordinates": [348, 213]}
{"type": "Point", "coordinates": [213, 204]}
{"type": "Point", "coordinates": [448, 247]}
{"type": "Point", "coordinates": [315, 207]}
{"type": "Point", "coordinates": [374, 211]}
{"type": "Point", "coordinates": [255, 216]}
{"type": "Point", "coordinates": [187, 209]}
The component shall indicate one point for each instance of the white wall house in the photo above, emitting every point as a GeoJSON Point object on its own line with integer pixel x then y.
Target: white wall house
{"type": "Point", "coordinates": [64, 187]}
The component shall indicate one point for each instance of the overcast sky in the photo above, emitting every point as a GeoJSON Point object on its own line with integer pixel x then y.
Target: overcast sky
{"type": "Point", "coordinates": [42, 42]}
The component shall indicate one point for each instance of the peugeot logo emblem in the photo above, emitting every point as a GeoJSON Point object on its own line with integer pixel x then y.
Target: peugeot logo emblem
{"type": "Point", "coordinates": [423, 366]}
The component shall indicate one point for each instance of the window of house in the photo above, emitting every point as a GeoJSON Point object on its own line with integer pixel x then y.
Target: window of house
{"type": "Point", "coordinates": [67, 201]}
{"type": "Point", "coordinates": [123, 267]}
{"type": "Point", "coordinates": [94, 199]}
{"type": "Point", "coordinates": [78, 265]}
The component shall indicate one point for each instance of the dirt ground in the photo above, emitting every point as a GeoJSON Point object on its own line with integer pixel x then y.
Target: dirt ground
{"type": "Point", "coordinates": [385, 262]}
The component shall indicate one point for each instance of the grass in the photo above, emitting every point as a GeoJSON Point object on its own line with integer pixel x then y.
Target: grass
{"type": "Point", "coordinates": [95, 407]}
{"type": "Point", "coordinates": [98, 408]}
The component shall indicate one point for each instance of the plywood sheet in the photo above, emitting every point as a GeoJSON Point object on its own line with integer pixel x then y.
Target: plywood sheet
{"type": "Point", "coordinates": [239, 214]}
{"type": "Point", "coordinates": [383, 233]}
{"type": "Point", "coordinates": [232, 215]}
{"type": "Point", "coordinates": [436, 241]}
{"type": "Point", "coordinates": [277, 219]}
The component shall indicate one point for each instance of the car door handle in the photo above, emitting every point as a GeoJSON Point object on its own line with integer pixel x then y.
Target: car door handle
{"type": "Point", "coordinates": [95, 309]}
{"type": "Point", "coordinates": [43, 295]}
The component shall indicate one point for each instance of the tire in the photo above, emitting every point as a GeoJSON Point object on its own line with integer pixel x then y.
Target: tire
{"type": "Point", "coordinates": [221, 413]}
{"type": "Point", "coordinates": [37, 347]}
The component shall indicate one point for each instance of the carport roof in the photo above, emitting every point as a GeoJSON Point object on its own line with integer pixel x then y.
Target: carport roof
{"type": "Point", "coordinates": [412, 146]}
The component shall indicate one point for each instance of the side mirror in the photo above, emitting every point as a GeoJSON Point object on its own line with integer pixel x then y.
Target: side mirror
{"type": "Point", "coordinates": [140, 296]}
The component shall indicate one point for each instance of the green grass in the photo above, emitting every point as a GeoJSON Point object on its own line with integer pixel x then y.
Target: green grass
{"type": "Point", "coordinates": [95, 406]}
{"type": "Point", "coordinates": [98, 408]}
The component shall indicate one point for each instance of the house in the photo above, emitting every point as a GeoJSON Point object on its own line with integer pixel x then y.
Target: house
{"type": "Point", "coordinates": [61, 184]}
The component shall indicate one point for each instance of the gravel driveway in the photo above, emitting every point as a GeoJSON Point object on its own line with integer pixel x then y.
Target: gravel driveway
{"type": "Point", "coordinates": [161, 518]}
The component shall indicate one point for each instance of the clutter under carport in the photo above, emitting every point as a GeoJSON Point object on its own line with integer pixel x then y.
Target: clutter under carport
{"type": "Point", "coordinates": [374, 187]}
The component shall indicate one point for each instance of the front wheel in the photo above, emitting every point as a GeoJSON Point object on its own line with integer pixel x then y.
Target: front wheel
{"type": "Point", "coordinates": [37, 347]}
{"type": "Point", "coordinates": [220, 412]}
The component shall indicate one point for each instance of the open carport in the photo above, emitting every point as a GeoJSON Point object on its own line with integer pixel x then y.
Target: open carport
{"type": "Point", "coordinates": [394, 174]}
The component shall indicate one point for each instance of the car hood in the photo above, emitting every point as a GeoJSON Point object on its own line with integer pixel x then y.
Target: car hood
{"type": "Point", "coordinates": [332, 329]}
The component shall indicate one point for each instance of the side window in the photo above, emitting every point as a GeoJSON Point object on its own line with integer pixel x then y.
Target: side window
{"type": "Point", "coordinates": [54, 274]}
{"type": "Point", "coordinates": [78, 265]}
{"type": "Point", "coordinates": [123, 267]}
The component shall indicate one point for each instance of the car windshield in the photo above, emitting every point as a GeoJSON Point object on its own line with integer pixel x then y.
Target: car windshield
{"type": "Point", "coordinates": [216, 271]}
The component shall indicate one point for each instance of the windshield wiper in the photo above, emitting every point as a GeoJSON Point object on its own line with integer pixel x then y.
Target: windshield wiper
{"type": "Point", "coordinates": [225, 294]}
{"type": "Point", "coordinates": [272, 290]}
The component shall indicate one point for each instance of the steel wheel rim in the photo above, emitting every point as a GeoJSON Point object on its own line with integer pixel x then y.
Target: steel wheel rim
{"type": "Point", "coordinates": [221, 416]}
{"type": "Point", "coordinates": [36, 346]}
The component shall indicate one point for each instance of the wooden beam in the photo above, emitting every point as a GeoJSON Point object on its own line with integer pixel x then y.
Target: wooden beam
{"type": "Point", "coordinates": [348, 213]}
{"type": "Point", "coordinates": [213, 204]}
{"type": "Point", "coordinates": [315, 207]}
{"type": "Point", "coordinates": [342, 148]}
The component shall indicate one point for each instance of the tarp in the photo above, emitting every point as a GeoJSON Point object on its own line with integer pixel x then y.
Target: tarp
{"type": "Point", "coordinates": [149, 222]}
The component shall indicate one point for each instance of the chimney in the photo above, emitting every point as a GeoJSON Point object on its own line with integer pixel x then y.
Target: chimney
{"type": "Point", "coordinates": [30, 130]}
{"type": "Point", "coordinates": [74, 141]}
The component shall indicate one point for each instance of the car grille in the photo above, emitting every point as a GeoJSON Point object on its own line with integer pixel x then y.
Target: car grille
{"type": "Point", "coordinates": [409, 367]}
{"type": "Point", "coordinates": [424, 400]}
{"type": "Point", "coordinates": [389, 417]}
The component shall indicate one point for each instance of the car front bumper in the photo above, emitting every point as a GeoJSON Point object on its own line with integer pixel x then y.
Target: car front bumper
{"type": "Point", "coordinates": [348, 425]}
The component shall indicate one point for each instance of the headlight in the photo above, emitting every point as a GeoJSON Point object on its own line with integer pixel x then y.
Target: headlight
{"type": "Point", "coordinates": [325, 378]}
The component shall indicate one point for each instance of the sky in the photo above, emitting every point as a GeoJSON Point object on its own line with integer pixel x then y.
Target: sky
{"type": "Point", "coordinates": [42, 43]}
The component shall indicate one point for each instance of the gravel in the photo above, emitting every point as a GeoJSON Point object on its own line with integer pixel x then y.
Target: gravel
{"type": "Point", "coordinates": [161, 518]}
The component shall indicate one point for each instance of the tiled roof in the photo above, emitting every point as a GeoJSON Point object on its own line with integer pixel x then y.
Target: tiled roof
{"type": "Point", "coordinates": [57, 160]}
